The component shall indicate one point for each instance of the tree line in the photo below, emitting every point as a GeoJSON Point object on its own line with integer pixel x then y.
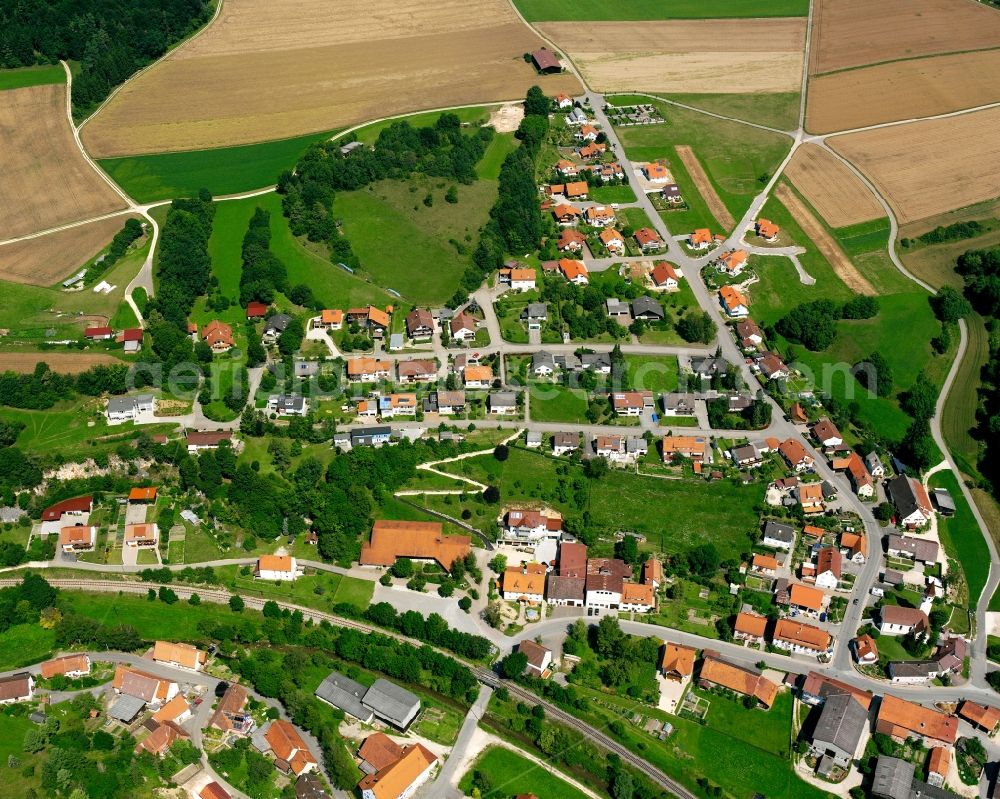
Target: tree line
{"type": "Point", "coordinates": [111, 39]}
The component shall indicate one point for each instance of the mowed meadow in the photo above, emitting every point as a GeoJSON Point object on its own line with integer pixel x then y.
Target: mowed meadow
{"type": "Point", "coordinates": [272, 69]}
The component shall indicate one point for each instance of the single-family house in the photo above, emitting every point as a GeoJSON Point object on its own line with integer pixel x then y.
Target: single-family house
{"type": "Point", "coordinates": [574, 271]}
{"type": "Point", "coordinates": [637, 598]}
{"type": "Point", "coordinates": [921, 550]}
{"type": "Point", "coordinates": [810, 497]}
{"type": "Point", "coordinates": [476, 376]}
{"type": "Point", "coordinates": [874, 465]}
{"type": "Point", "coordinates": [700, 239]}
{"type": "Point", "coordinates": [71, 666]}
{"type": "Point", "coordinates": [795, 455]}
{"type": "Point", "coordinates": [535, 314]}
{"type": "Point", "coordinates": [179, 655]}
{"type": "Point", "coordinates": [289, 749]}
{"type": "Point", "coordinates": [368, 370]}
{"type": "Point", "coordinates": [806, 599]}
{"type": "Point", "coordinates": [524, 583]}
{"type": "Point", "coordinates": [612, 240]}
{"type": "Point", "coordinates": [329, 319]}
{"type": "Point", "coordinates": [665, 277]}
{"type": "Point", "coordinates": [826, 434]}
{"type": "Point", "coordinates": [767, 230]}
{"type": "Point", "coordinates": [502, 403]}
{"type": "Point", "coordinates": [571, 240]}
{"type": "Point", "coordinates": [913, 507]}
{"type": "Point", "coordinates": [563, 442]}
{"type": "Point", "coordinates": [655, 172]}
{"type": "Point", "coordinates": [77, 538]}
{"type": "Point", "coordinates": [865, 650]}
{"type": "Point", "coordinates": [764, 564]}
{"type": "Point", "coordinates": [566, 214]}
{"type": "Point", "coordinates": [599, 216]}
{"type": "Point", "coordinates": [198, 440]}
{"type": "Point", "coordinates": [864, 485]}
{"type": "Point", "coordinates": [586, 132]}
{"type": "Point", "coordinates": [287, 405]}
{"type": "Point", "coordinates": [897, 620]}
{"type": "Point", "coordinates": [543, 364]}
{"type": "Point", "coordinates": [627, 403]}
{"type": "Point", "coordinates": [419, 324]}
{"type": "Point", "coordinates": [577, 189]}
{"type": "Point", "coordinates": [801, 639]}
{"type": "Point", "coordinates": [416, 371]}
{"type": "Point", "coordinates": [737, 679]}
{"type": "Point", "coordinates": [141, 535]}
{"type": "Point", "coordinates": [693, 447]}
{"type": "Point", "coordinates": [401, 778]}
{"type": "Point", "coordinates": [218, 336]}
{"type": "Point", "coordinates": [677, 404]}
{"type": "Point", "coordinates": [276, 567]}
{"type": "Point", "coordinates": [256, 310]}
{"type": "Point", "coordinates": [733, 262]}
{"type": "Point", "coordinates": [647, 309]}
{"type": "Point", "coordinates": [677, 663]}
{"type": "Point", "coordinates": [648, 239]}
{"type": "Point", "coordinates": [539, 657]}
{"type": "Point", "coordinates": [127, 409]}
{"type": "Point", "coordinates": [778, 535]}
{"type": "Point", "coordinates": [19, 687]}
{"type": "Point", "coordinates": [750, 628]}
{"type": "Point", "coordinates": [733, 302]}
{"type": "Point", "coordinates": [749, 334]}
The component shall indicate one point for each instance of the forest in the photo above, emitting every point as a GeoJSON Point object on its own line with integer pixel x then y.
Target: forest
{"type": "Point", "coordinates": [111, 39]}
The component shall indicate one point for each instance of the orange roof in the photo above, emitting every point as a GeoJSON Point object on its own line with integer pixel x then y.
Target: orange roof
{"type": "Point", "coordinates": [939, 760]}
{"type": "Point", "coordinates": [563, 165]}
{"type": "Point", "coordinates": [392, 781]}
{"type": "Point", "coordinates": [599, 212]}
{"type": "Point", "coordinates": [216, 332]}
{"type": "Point", "coordinates": [142, 494]}
{"type": "Point", "coordinates": [663, 272]}
{"type": "Point", "coordinates": [562, 211]}
{"type": "Point", "coordinates": [856, 469]}
{"type": "Point", "coordinates": [332, 317]}
{"type": "Point", "coordinates": [184, 654]}
{"type": "Point", "coordinates": [793, 451]}
{"type": "Point", "coordinates": [740, 680]}
{"type": "Point", "coordinates": [810, 493]}
{"type": "Point", "coordinates": [522, 274]}
{"type": "Point", "coordinates": [654, 171]}
{"type": "Point", "coordinates": [750, 624]}
{"type": "Point", "coordinates": [287, 744]}
{"type": "Point", "coordinates": [367, 366]}
{"type": "Point", "coordinates": [766, 562]}
{"type": "Point", "coordinates": [158, 688]}
{"type": "Point", "coordinates": [678, 659]}
{"type": "Point", "coordinates": [652, 570]}
{"type": "Point", "coordinates": [577, 188]}
{"type": "Point", "coordinates": [805, 597]}
{"type": "Point", "coordinates": [855, 543]}
{"type": "Point", "coordinates": [213, 791]}
{"type": "Point", "coordinates": [638, 594]}
{"type": "Point", "coordinates": [701, 236]}
{"type": "Point", "coordinates": [865, 646]}
{"type": "Point", "coordinates": [983, 715]}
{"type": "Point", "coordinates": [380, 751]}
{"type": "Point", "coordinates": [524, 581]}
{"type": "Point", "coordinates": [174, 709]}
{"type": "Point", "coordinates": [140, 532]}
{"type": "Point", "coordinates": [732, 298]}
{"type": "Point", "coordinates": [274, 563]}
{"type": "Point", "coordinates": [766, 228]}
{"type": "Point", "coordinates": [899, 718]}
{"type": "Point", "coordinates": [813, 531]}
{"type": "Point", "coordinates": [161, 739]}
{"type": "Point", "coordinates": [64, 665]}
{"type": "Point", "coordinates": [78, 534]}
{"type": "Point", "coordinates": [569, 237]}
{"type": "Point", "coordinates": [691, 446]}
{"type": "Point", "coordinates": [645, 235]}
{"type": "Point", "coordinates": [609, 235]}
{"type": "Point", "coordinates": [572, 269]}
{"type": "Point", "coordinates": [734, 259]}
{"type": "Point", "coordinates": [403, 539]}
{"type": "Point", "coordinates": [795, 632]}
{"type": "Point", "coordinates": [477, 373]}
{"type": "Point", "coordinates": [379, 317]}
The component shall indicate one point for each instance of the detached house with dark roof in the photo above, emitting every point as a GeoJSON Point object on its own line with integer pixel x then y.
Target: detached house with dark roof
{"type": "Point", "coordinates": [913, 507]}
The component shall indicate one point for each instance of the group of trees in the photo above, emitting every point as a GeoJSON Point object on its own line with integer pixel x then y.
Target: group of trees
{"type": "Point", "coordinates": [263, 272]}
{"type": "Point", "coordinates": [944, 233]}
{"type": "Point", "coordinates": [814, 324]}
{"type": "Point", "coordinates": [25, 602]}
{"type": "Point", "coordinates": [129, 233]}
{"type": "Point", "coordinates": [110, 38]}
{"type": "Point", "coordinates": [43, 388]}
{"type": "Point", "coordinates": [755, 416]}
{"type": "Point", "coordinates": [875, 374]}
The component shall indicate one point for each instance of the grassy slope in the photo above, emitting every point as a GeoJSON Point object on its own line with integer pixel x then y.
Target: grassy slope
{"type": "Point", "coordinates": [962, 538]}
{"type": "Point", "coordinates": [779, 110]}
{"type": "Point", "coordinates": [959, 417]}
{"type": "Point", "coordinates": [403, 244]}
{"type": "Point", "coordinates": [511, 773]}
{"type": "Point", "coordinates": [538, 10]}
{"type": "Point", "coordinates": [488, 167]}
{"type": "Point", "coordinates": [226, 170]}
{"type": "Point", "coordinates": [733, 155]}
{"type": "Point", "coordinates": [31, 76]}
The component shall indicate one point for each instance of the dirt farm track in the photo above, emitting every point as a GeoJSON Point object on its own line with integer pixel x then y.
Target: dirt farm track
{"type": "Point", "coordinates": [854, 33]}
{"type": "Point", "coordinates": [268, 69]}
{"type": "Point", "coordinates": [926, 168]}
{"type": "Point", "coordinates": [45, 181]}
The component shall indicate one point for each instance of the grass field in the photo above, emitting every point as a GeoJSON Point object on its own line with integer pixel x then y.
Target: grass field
{"type": "Point", "coordinates": [735, 156]}
{"type": "Point", "coordinates": [321, 590]}
{"type": "Point", "coordinates": [959, 416]}
{"type": "Point", "coordinates": [499, 148]}
{"type": "Point", "coordinates": [612, 194]}
{"type": "Point", "coordinates": [962, 538]}
{"type": "Point", "coordinates": [553, 403]}
{"type": "Point", "coordinates": [31, 76]}
{"type": "Point", "coordinates": [225, 170]}
{"type": "Point", "coordinates": [475, 115]}
{"type": "Point", "coordinates": [24, 644]}
{"type": "Point", "coordinates": [722, 513]}
{"type": "Point", "coordinates": [775, 110]}
{"type": "Point", "coordinates": [656, 373]}
{"type": "Point", "coordinates": [405, 245]}
{"type": "Point", "coordinates": [512, 773]}
{"type": "Point", "coordinates": [17, 781]}
{"type": "Point", "coordinates": [538, 10]}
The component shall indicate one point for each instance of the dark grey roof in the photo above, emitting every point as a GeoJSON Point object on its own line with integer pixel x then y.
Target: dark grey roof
{"type": "Point", "coordinates": [345, 693]}
{"type": "Point", "coordinates": [893, 778]}
{"type": "Point", "coordinates": [842, 722]}
{"type": "Point", "coordinates": [647, 306]}
{"type": "Point", "coordinates": [919, 548]}
{"type": "Point", "coordinates": [289, 403]}
{"type": "Point", "coordinates": [306, 368]}
{"type": "Point", "coordinates": [126, 708]}
{"type": "Point", "coordinates": [616, 306]}
{"type": "Point", "coordinates": [392, 702]}
{"type": "Point", "coordinates": [779, 531]}
{"type": "Point", "coordinates": [594, 360]}
{"type": "Point", "coordinates": [121, 404]}
{"type": "Point", "coordinates": [678, 402]}
{"type": "Point", "coordinates": [944, 500]}
{"type": "Point", "coordinates": [278, 322]}
{"type": "Point", "coordinates": [537, 310]}
{"type": "Point", "coordinates": [543, 358]}
{"type": "Point", "coordinates": [566, 439]}
{"type": "Point", "coordinates": [903, 495]}
{"type": "Point", "coordinates": [309, 787]}
{"type": "Point", "coordinates": [738, 402]}
{"type": "Point", "coordinates": [503, 398]}
{"type": "Point", "coordinates": [914, 668]}
{"type": "Point", "coordinates": [707, 367]}
{"type": "Point", "coordinates": [873, 461]}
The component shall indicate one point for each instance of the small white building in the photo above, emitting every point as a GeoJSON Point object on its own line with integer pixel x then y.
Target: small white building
{"type": "Point", "coordinates": [276, 567]}
{"type": "Point", "coordinates": [127, 409]}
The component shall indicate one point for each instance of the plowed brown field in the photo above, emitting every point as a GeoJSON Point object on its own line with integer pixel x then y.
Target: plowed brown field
{"type": "Point", "coordinates": [64, 362]}
{"type": "Point", "coordinates": [44, 179]}
{"type": "Point", "coordinates": [854, 33]}
{"type": "Point", "coordinates": [903, 90]}
{"type": "Point", "coordinates": [927, 168]}
{"type": "Point", "coordinates": [268, 69]}
{"type": "Point", "coordinates": [831, 188]}
{"type": "Point", "coordinates": [765, 55]}
{"type": "Point", "coordinates": [49, 259]}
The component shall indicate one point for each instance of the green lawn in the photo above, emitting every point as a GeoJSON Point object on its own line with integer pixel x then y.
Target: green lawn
{"type": "Point", "coordinates": [963, 540]}
{"type": "Point", "coordinates": [511, 773]}
{"type": "Point", "coordinates": [31, 76]}
{"type": "Point", "coordinates": [775, 110]}
{"type": "Point", "coordinates": [612, 194]}
{"type": "Point", "coordinates": [24, 644]}
{"type": "Point", "coordinates": [555, 403]}
{"type": "Point", "coordinates": [634, 218]}
{"type": "Point", "coordinates": [736, 157]}
{"type": "Point", "coordinates": [226, 242]}
{"type": "Point", "coordinates": [488, 167]}
{"type": "Point", "coordinates": [539, 10]}
{"type": "Point", "coordinates": [17, 781]}
{"type": "Point", "coordinates": [225, 170]}
{"type": "Point", "coordinates": [656, 373]}
{"type": "Point", "coordinates": [321, 590]}
{"type": "Point", "coordinates": [769, 731]}
{"type": "Point", "coordinates": [409, 247]}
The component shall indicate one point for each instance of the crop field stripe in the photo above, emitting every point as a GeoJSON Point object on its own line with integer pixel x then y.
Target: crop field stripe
{"type": "Point", "coordinates": [31, 76]}
{"type": "Point", "coordinates": [705, 187]}
{"type": "Point", "coordinates": [836, 193]}
{"type": "Point", "coordinates": [598, 10]}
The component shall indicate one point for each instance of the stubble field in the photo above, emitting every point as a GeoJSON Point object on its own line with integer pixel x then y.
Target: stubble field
{"type": "Point", "coordinates": [854, 33]}
{"type": "Point", "coordinates": [63, 362]}
{"type": "Point", "coordinates": [927, 168]}
{"type": "Point", "coordinates": [903, 90]}
{"type": "Point", "coordinates": [270, 69]}
{"type": "Point", "coordinates": [766, 54]}
{"type": "Point", "coordinates": [45, 182]}
{"type": "Point", "coordinates": [831, 188]}
{"type": "Point", "coordinates": [51, 258]}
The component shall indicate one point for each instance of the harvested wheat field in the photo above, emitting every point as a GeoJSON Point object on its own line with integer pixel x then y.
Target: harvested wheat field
{"type": "Point", "coordinates": [904, 90]}
{"type": "Point", "coordinates": [64, 362]}
{"type": "Point", "coordinates": [831, 188]}
{"type": "Point", "coordinates": [45, 182]}
{"type": "Point", "coordinates": [705, 187]}
{"type": "Point", "coordinates": [824, 242]}
{"type": "Point", "coordinates": [50, 259]}
{"type": "Point", "coordinates": [855, 33]}
{"type": "Point", "coordinates": [765, 55]}
{"type": "Point", "coordinates": [927, 168]}
{"type": "Point", "coordinates": [269, 69]}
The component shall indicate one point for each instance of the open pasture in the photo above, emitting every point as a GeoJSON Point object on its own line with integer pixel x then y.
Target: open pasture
{"type": "Point", "coordinates": [766, 55]}
{"type": "Point", "coordinates": [705, 187]}
{"type": "Point", "coordinates": [831, 188]}
{"type": "Point", "coordinates": [51, 258]}
{"type": "Point", "coordinates": [926, 168]}
{"type": "Point", "coordinates": [46, 181]}
{"type": "Point", "coordinates": [855, 33]}
{"type": "Point", "coordinates": [270, 69]}
{"type": "Point", "coordinates": [903, 90]}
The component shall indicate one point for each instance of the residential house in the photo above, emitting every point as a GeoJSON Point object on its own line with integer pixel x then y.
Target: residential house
{"type": "Point", "coordinates": [176, 710]}
{"type": "Point", "coordinates": [900, 719]}
{"type": "Point", "coordinates": [402, 777]}
{"type": "Point", "coordinates": [599, 216]}
{"type": "Point", "coordinates": [747, 456]}
{"type": "Point", "coordinates": [449, 402]}
{"type": "Point", "coordinates": [648, 239]}
{"type": "Point", "coordinates": [368, 370]}
{"type": "Point", "coordinates": [571, 240]}
{"type": "Point", "coordinates": [522, 279]}
{"type": "Point", "coordinates": [127, 409]}
{"type": "Point", "coordinates": [502, 403]}
{"type": "Point", "coordinates": [937, 766]}
{"type": "Point", "coordinates": [678, 404]}
{"type": "Point", "coordinates": [566, 591]}
{"type": "Point", "coordinates": [277, 567]}
{"type": "Point", "coordinates": [19, 687]}
{"type": "Point", "coordinates": [256, 310]}
{"type": "Point", "coordinates": [578, 190]}
{"type": "Point", "coordinates": [700, 239]}
{"type": "Point", "coordinates": [591, 151]}
{"type": "Point", "coordinates": [566, 169]}
{"type": "Point", "coordinates": [563, 442]}
{"type": "Point", "coordinates": [772, 366]}
{"type": "Point", "coordinates": [586, 132]}
{"type": "Point", "coordinates": [855, 545]}
{"type": "Point", "coordinates": [985, 717]}
{"type": "Point", "coordinates": [610, 447]}
{"type": "Point", "coordinates": [897, 620]}
{"type": "Point", "coordinates": [329, 319]}
{"type": "Point", "coordinates": [874, 465]}
{"type": "Point", "coordinates": [733, 262]}
{"type": "Point", "coordinates": [218, 336]}
{"type": "Point", "coordinates": [77, 538]}
{"type": "Point", "coordinates": [734, 303]}
{"type": "Point", "coordinates": [392, 539]}
{"type": "Point", "coordinates": [637, 598]}
{"type": "Point", "coordinates": [419, 324]}
{"type": "Point", "coordinates": [826, 434]}
{"type": "Point", "coordinates": [750, 628]}
{"type": "Point", "coordinates": [806, 600]}
{"type": "Point", "coordinates": [764, 564]}
{"type": "Point", "coordinates": [159, 741]}
{"type": "Point", "coordinates": [795, 455]}
{"type": "Point", "coordinates": [147, 687]}
{"type": "Point", "coordinates": [802, 639]}
{"type": "Point", "coordinates": [198, 440]}
{"type": "Point", "coordinates": [539, 658]}
{"type": "Point", "coordinates": [665, 277]}
{"type": "Point", "coordinates": [375, 319]}
{"type": "Point", "coordinates": [287, 405]}
{"type": "Point", "coordinates": [767, 230]}
{"type": "Point", "coordinates": [816, 689]}
{"type": "Point", "coordinates": [463, 327]}
{"type": "Point", "coordinates": [693, 447]}
{"type": "Point", "coordinates": [276, 325]}
{"type": "Point", "coordinates": [652, 573]}
{"type": "Point", "coordinates": [647, 309]}
{"type": "Point", "coordinates": [864, 485]}
{"type": "Point", "coordinates": [477, 376]}
{"type": "Point", "coordinates": [865, 650]}
{"type": "Point", "coordinates": [416, 371]}
{"type": "Point", "coordinates": [605, 581]}
{"type": "Point", "coordinates": [543, 364]}
{"type": "Point", "coordinates": [182, 656]}
{"type": "Point", "coordinates": [707, 368]}
{"type": "Point", "coordinates": [71, 666]}
{"type": "Point", "coordinates": [530, 525]}
{"type": "Point", "coordinates": [524, 583]}
{"type": "Point", "coordinates": [566, 214]}
{"type": "Point", "coordinates": [141, 535]}
{"type": "Point", "coordinates": [778, 535]}
{"type": "Point", "coordinates": [370, 436]}
{"type": "Point", "coordinates": [913, 507]}
{"type": "Point", "coordinates": [840, 729]}
{"type": "Point", "coordinates": [612, 240]}
{"type": "Point", "coordinates": [627, 403]}
{"type": "Point", "coordinates": [677, 663]}
{"type": "Point", "coordinates": [535, 314]}
{"type": "Point", "coordinates": [810, 496]}
{"type": "Point", "coordinates": [229, 715]}
{"type": "Point", "coordinates": [715, 672]}
{"type": "Point", "coordinates": [656, 172]}
{"type": "Point", "coordinates": [921, 550]}
{"type": "Point", "coordinates": [290, 751]}
{"type": "Point", "coordinates": [574, 271]}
